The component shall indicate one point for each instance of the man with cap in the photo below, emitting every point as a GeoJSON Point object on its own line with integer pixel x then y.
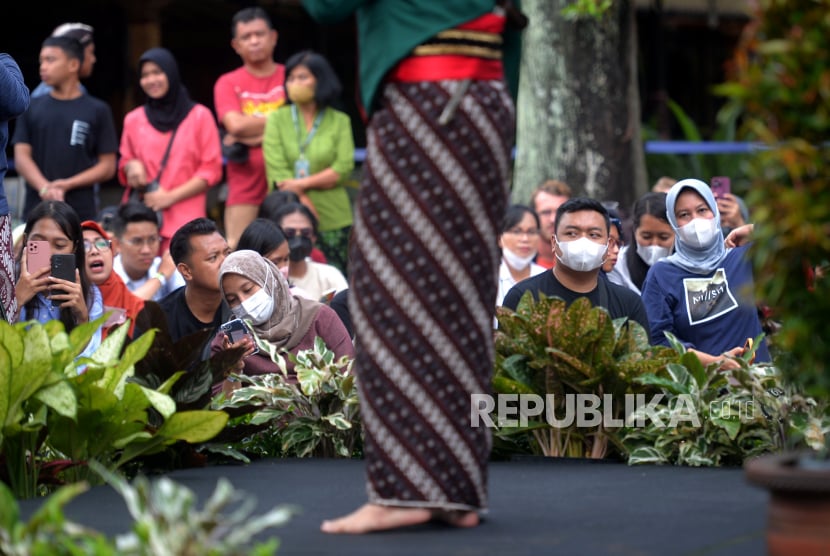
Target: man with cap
{"type": "Point", "coordinates": [83, 34]}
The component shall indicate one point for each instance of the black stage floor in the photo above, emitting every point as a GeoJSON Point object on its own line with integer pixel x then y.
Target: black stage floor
{"type": "Point", "coordinates": [543, 506]}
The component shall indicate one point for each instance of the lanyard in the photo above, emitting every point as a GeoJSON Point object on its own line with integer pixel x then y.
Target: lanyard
{"type": "Point", "coordinates": [311, 133]}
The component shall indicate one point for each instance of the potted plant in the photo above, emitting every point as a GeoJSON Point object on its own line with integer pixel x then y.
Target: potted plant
{"type": "Point", "coordinates": [782, 82]}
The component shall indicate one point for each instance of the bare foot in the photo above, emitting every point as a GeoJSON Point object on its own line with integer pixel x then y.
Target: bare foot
{"type": "Point", "coordinates": [373, 517]}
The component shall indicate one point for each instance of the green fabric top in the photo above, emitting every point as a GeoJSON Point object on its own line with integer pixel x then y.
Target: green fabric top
{"type": "Point", "coordinates": [332, 146]}
{"type": "Point", "coordinates": [389, 29]}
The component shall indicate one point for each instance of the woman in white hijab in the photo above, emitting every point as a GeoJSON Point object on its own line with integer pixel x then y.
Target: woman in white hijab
{"type": "Point", "coordinates": [703, 293]}
{"type": "Point", "coordinates": [257, 292]}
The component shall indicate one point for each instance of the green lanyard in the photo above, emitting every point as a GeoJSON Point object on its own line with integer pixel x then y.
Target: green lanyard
{"type": "Point", "coordinates": [311, 133]}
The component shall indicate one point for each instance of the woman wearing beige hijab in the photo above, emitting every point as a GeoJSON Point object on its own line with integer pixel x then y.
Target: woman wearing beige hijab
{"type": "Point", "coordinates": [258, 293]}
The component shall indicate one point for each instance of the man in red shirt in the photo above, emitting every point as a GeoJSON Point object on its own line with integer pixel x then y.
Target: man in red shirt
{"type": "Point", "coordinates": [243, 98]}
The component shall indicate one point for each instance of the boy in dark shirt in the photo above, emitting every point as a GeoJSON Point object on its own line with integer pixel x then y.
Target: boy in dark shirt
{"type": "Point", "coordinates": [65, 144]}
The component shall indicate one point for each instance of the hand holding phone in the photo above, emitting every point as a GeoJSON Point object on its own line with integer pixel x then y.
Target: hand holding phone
{"type": "Point", "coordinates": [63, 267]}
{"type": "Point", "coordinates": [38, 255]}
{"type": "Point", "coordinates": [721, 186]}
{"type": "Point", "coordinates": [236, 330]}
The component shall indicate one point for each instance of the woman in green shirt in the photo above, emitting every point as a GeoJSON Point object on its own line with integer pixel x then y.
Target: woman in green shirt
{"type": "Point", "coordinates": [309, 149]}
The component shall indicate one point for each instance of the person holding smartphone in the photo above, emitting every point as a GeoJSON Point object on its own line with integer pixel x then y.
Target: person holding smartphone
{"type": "Point", "coordinates": [43, 296]}
{"type": "Point", "coordinates": [258, 294]}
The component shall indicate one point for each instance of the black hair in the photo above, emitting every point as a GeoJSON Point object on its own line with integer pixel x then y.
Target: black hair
{"type": "Point", "coordinates": [292, 208]}
{"type": "Point", "coordinates": [261, 235]}
{"type": "Point", "coordinates": [246, 15]}
{"type": "Point", "coordinates": [515, 214]}
{"type": "Point", "coordinates": [615, 220]}
{"type": "Point", "coordinates": [576, 204]}
{"type": "Point", "coordinates": [654, 204]}
{"type": "Point", "coordinates": [130, 213]}
{"type": "Point", "coordinates": [70, 224]}
{"type": "Point", "coordinates": [274, 200]}
{"type": "Point", "coordinates": [72, 47]}
{"type": "Point", "coordinates": [328, 87]}
{"type": "Point", "coordinates": [180, 246]}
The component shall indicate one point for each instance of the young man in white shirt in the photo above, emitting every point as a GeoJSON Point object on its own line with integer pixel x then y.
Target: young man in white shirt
{"type": "Point", "coordinates": [136, 238]}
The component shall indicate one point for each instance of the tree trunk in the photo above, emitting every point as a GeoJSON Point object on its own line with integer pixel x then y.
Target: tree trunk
{"type": "Point", "coordinates": [578, 106]}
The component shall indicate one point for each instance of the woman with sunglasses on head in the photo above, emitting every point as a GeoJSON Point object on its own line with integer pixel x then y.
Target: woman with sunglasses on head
{"type": "Point", "coordinates": [702, 293]}
{"type": "Point", "coordinates": [518, 242]}
{"type": "Point", "coordinates": [653, 241]}
{"type": "Point", "coordinates": [43, 297]}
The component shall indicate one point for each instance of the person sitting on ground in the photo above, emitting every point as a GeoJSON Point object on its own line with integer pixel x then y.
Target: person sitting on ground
{"type": "Point", "coordinates": [653, 240]}
{"type": "Point", "coordinates": [518, 242]}
{"type": "Point", "coordinates": [43, 297]}
{"type": "Point", "coordinates": [257, 292]}
{"type": "Point", "coordinates": [702, 293]}
{"type": "Point", "coordinates": [300, 228]}
{"type": "Point", "coordinates": [136, 239]}
{"type": "Point", "coordinates": [615, 242]}
{"type": "Point", "coordinates": [267, 239]}
{"type": "Point", "coordinates": [580, 244]}
{"type": "Point", "coordinates": [198, 249]}
{"type": "Point", "coordinates": [545, 200]}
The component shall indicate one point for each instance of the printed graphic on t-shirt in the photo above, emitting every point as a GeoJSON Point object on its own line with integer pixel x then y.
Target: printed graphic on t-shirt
{"type": "Point", "coordinates": [260, 104]}
{"type": "Point", "coordinates": [708, 298]}
{"type": "Point", "coordinates": [80, 131]}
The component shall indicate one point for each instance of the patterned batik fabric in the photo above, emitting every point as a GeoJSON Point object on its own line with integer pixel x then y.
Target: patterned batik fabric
{"type": "Point", "coordinates": [7, 282]}
{"type": "Point", "coordinates": [424, 278]}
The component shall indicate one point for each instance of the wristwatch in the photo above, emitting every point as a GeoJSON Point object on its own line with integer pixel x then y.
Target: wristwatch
{"type": "Point", "coordinates": [160, 277]}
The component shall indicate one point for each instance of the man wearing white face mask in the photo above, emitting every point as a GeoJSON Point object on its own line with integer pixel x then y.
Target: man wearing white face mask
{"type": "Point", "coordinates": [580, 244]}
{"type": "Point", "coordinates": [703, 292]}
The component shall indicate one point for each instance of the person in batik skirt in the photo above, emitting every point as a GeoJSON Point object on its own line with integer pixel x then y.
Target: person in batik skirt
{"type": "Point", "coordinates": [424, 256]}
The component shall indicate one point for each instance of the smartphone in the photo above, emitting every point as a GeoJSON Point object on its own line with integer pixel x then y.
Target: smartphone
{"type": "Point", "coordinates": [236, 329]}
{"type": "Point", "coordinates": [38, 255]}
{"type": "Point", "coordinates": [721, 186]}
{"type": "Point", "coordinates": [63, 267]}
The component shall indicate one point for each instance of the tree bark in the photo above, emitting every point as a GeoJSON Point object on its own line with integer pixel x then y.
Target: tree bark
{"type": "Point", "coordinates": [578, 106]}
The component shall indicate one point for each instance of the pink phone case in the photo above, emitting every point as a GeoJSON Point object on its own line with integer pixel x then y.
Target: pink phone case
{"type": "Point", "coordinates": [38, 255]}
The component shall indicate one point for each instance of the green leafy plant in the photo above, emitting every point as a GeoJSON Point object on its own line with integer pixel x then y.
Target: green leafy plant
{"type": "Point", "coordinates": [167, 522]}
{"type": "Point", "coordinates": [711, 417]}
{"type": "Point", "coordinates": [702, 166]}
{"type": "Point", "coordinates": [65, 409]}
{"type": "Point", "coordinates": [781, 81]}
{"type": "Point", "coordinates": [315, 414]}
{"type": "Point", "coordinates": [545, 348]}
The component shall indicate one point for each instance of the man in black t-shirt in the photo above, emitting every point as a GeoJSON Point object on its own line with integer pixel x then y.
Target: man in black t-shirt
{"type": "Point", "coordinates": [65, 144]}
{"type": "Point", "coordinates": [198, 250]}
{"type": "Point", "coordinates": [580, 244]}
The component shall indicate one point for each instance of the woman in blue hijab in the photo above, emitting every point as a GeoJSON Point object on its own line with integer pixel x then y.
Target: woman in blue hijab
{"type": "Point", "coordinates": [703, 293]}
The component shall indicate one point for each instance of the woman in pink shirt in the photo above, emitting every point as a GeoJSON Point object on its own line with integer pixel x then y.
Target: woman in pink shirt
{"type": "Point", "coordinates": [170, 149]}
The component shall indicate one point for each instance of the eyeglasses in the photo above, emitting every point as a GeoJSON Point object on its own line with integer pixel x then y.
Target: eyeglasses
{"type": "Point", "coordinates": [139, 242]}
{"type": "Point", "coordinates": [292, 232]}
{"type": "Point", "coordinates": [100, 244]}
{"type": "Point", "coordinates": [531, 233]}
{"type": "Point", "coordinates": [614, 242]}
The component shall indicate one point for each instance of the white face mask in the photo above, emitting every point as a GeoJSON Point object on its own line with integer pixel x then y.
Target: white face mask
{"type": "Point", "coordinates": [652, 253]}
{"type": "Point", "coordinates": [582, 254]}
{"type": "Point", "coordinates": [516, 262]}
{"type": "Point", "coordinates": [700, 233]}
{"type": "Point", "coordinates": [257, 308]}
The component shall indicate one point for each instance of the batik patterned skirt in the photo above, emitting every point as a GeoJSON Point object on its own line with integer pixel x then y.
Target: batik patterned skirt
{"type": "Point", "coordinates": [424, 264]}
